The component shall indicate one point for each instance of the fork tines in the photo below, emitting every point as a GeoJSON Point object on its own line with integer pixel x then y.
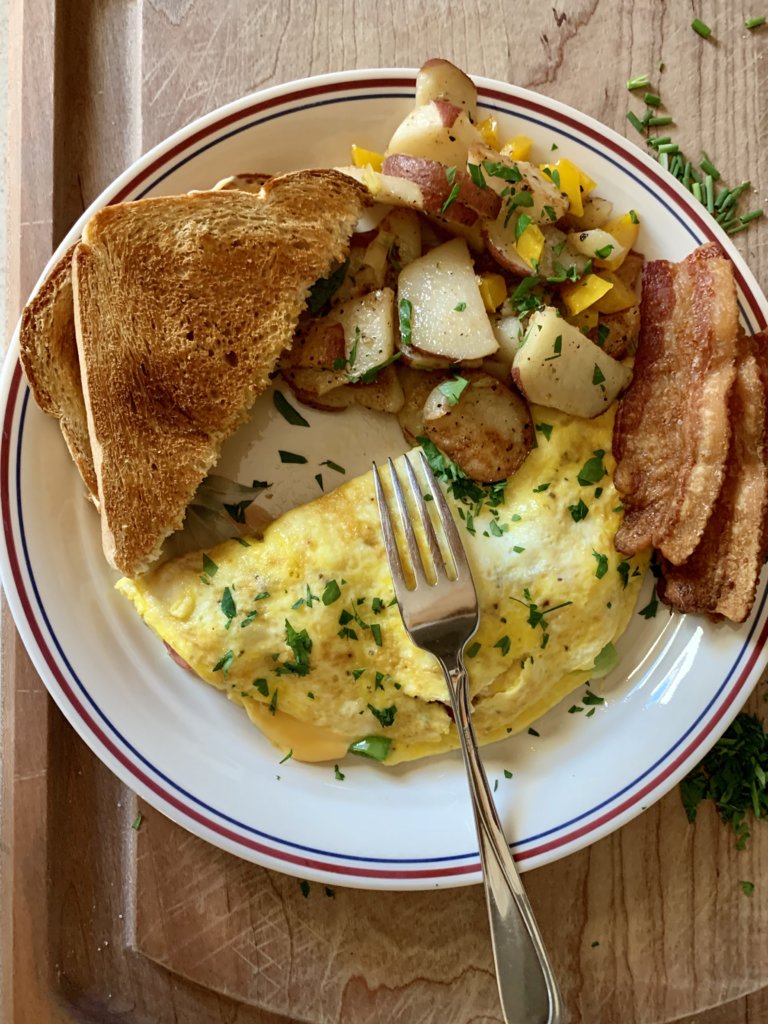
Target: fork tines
{"type": "Point", "coordinates": [437, 570]}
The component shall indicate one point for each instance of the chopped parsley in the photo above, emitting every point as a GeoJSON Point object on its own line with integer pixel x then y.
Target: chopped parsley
{"type": "Point", "coordinates": [273, 702]}
{"type": "Point", "coordinates": [507, 774]}
{"type": "Point", "coordinates": [333, 465]}
{"type": "Point", "coordinates": [474, 497]}
{"type": "Point", "coordinates": [545, 429]}
{"type": "Point", "coordinates": [541, 487]}
{"type": "Point", "coordinates": [301, 645]}
{"type": "Point", "coordinates": [262, 686]}
{"type": "Point", "coordinates": [476, 174]}
{"type": "Point", "coordinates": [291, 457]}
{"type": "Point", "coordinates": [623, 570]}
{"type": "Point", "coordinates": [322, 291]}
{"type": "Point", "coordinates": [733, 775]}
{"type": "Point", "coordinates": [453, 195]}
{"type": "Point", "coordinates": [228, 606]}
{"type": "Point", "coordinates": [287, 411]}
{"type": "Point", "coordinates": [598, 377]}
{"type": "Point", "coordinates": [604, 253]}
{"type": "Point", "coordinates": [304, 886]}
{"type": "Point", "coordinates": [532, 732]}
{"type": "Point", "coordinates": [376, 631]}
{"type": "Point", "coordinates": [503, 643]}
{"type": "Point", "coordinates": [338, 775]}
{"type": "Point", "coordinates": [331, 593]}
{"type": "Point", "coordinates": [602, 564]}
{"type": "Point", "coordinates": [649, 612]}
{"type": "Point", "coordinates": [224, 663]}
{"type": "Point", "coordinates": [593, 469]}
{"type": "Point", "coordinates": [747, 888]}
{"type": "Point", "coordinates": [287, 757]}
{"type": "Point", "coordinates": [405, 311]}
{"type": "Point", "coordinates": [385, 716]}
{"type": "Point", "coordinates": [453, 389]}
{"type": "Point", "coordinates": [503, 171]}
{"type": "Point", "coordinates": [578, 511]}
{"type": "Point", "coordinates": [209, 566]}
{"type": "Point", "coordinates": [472, 650]}
{"type": "Point", "coordinates": [460, 307]}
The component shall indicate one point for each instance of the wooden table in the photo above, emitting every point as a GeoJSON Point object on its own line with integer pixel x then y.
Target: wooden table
{"type": "Point", "coordinates": [101, 922]}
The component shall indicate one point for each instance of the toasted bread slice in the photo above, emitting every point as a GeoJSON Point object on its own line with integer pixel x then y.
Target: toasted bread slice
{"type": "Point", "coordinates": [182, 307]}
{"type": "Point", "coordinates": [48, 353]}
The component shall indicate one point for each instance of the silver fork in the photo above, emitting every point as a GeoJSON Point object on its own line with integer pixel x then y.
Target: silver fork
{"type": "Point", "coordinates": [441, 617]}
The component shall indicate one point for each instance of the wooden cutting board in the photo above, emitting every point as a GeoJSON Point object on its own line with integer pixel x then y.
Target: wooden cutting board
{"type": "Point", "coordinates": [101, 921]}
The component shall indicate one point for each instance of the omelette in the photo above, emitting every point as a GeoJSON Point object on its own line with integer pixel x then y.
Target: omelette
{"type": "Point", "coordinates": [300, 626]}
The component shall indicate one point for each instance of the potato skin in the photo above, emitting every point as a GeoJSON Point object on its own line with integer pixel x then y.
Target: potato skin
{"type": "Point", "coordinates": [431, 178]}
{"type": "Point", "coordinates": [487, 433]}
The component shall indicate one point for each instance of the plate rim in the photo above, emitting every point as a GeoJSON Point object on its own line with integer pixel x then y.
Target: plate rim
{"type": "Point", "coordinates": [26, 621]}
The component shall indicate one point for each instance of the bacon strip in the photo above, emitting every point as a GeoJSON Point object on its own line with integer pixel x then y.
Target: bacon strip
{"type": "Point", "coordinates": [720, 577]}
{"type": "Point", "coordinates": [672, 429]}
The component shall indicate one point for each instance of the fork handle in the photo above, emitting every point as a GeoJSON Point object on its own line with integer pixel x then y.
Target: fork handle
{"type": "Point", "coordinates": [527, 986]}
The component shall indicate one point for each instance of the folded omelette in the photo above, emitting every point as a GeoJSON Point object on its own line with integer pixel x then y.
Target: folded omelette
{"type": "Point", "coordinates": [300, 626]}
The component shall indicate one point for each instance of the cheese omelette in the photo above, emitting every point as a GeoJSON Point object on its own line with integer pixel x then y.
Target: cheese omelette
{"type": "Point", "coordinates": [301, 629]}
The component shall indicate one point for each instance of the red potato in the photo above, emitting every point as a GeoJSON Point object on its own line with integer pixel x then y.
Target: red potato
{"type": "Point", "coordinates": [448, 112]}
{"type": "Point", "coordinates": [488, 432]}
{"type": "Point", "coordinates": [448, 316]}
{"type": "Point", "coordinates": [318, 347]}
{"type": "Point", "coordinates": [438, 79]}
{"type": "Point", "coordinates": [417, 386]}
{"type": "Point", "coordinates": [438, 184]}
{"type": "Point", "coordinates": [385, 188]}
{"type": "Point", "coordinates": [424, 133]}
{"type": "Point", "coordinates": [384, 394]}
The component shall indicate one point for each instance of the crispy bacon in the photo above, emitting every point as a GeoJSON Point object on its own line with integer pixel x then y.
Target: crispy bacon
{"type": "Point", "coordinates": [672, 428]}
{"type": "Point", "coordinates": [720, 577]}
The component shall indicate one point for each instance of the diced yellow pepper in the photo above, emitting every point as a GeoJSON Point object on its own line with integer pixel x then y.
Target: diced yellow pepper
{"type": "Point", "coordinates": [584, 292]}
{"type": "Point", "coordinates": [364, 157]}
{"type": "Point", "coordinates": [530, 244]}
{"type": "Point", "coordinates": [587, 184]}
{"type": "Point", "coordinates": [625, 231]}
{"type": "Point", "coordinates": [586, 320]}
{"type": "Point", "coordinates": [493, 291]}
{"type": "Point", "coordinates": [489, 129]}
{"type": "Point", "coordinates": [567, 180]}
{"type": "Point", "coordinates": [517, 148]}
{"type": "Point", "coordinates": [617, 297]}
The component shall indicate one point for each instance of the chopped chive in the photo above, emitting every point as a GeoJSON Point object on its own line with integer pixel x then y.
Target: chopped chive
{"type": "Point", "coordinates": [669, 147]}
{"type": "Point", "coordinates": [638, 82]}
{"type": "Point", "coordinates": [752, 215]}
{"type": "Point", "coordinates": [709, 168]}
{"type": "Point", "coordinates": [652, 100]}
{"type": "Point", "coordinates": [701, 28]}
{"type": "Point", "coordinates": [664, 160]}
{"type": "Point", "coordinates": [754, 22]}
{"type": "Point", "coordinates": [659, 140]}
{"type": "Point", "coordinates": [709, 193]}
{"type": "Point", "coordinates": [734, 230]}
{"type": "Point", "coordinates": [696, 190]}
{"type": "Point", "coordinates": [633, 217]}
{"type": "Point", "coordinates": [659, 120]}
{"type": "Point", "coordinates": [635, 121]}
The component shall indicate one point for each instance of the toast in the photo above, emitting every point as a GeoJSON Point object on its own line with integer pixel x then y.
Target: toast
{"type": "Point", "coordinates": [183, 305]}
{"type": "Point", "coordinates": [48, 354]}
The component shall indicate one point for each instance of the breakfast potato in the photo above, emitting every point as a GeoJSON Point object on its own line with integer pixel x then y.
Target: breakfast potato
{"type": "Point", "coordinates": [560, 367]}
{"type": "Point", "coordinates": [438, 131]}
{"type": "Point", "coordinates": [404, 228]}
{"type": "Point", "coordinates": [623, 330]}
{"type": "Point", "coordinates": [417, 386]}
{"type": "Point", "coordinates": [595, 241]}
{"type": "Point", "coordinates": [441, 309]}
{"type": "Point", "coordinates": [440, 80]}
{"type": "Point", "coordinates": [509, 178]}
{"type": "Point", "coordinates": [385, 188]}
{"type": "Point", "coordinates": [449, 191]}
{"type": "Point", "coordinates": [597, 213]}
{"type": "Point", "coordinates": [487, 432]}
{"type": "Point", "coordinates": [383, 394]}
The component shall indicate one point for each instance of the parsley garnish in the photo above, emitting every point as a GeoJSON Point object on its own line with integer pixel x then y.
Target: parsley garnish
{"type": "Point", "coordinates": [545, 429]}
{"type": "Point", "coordinates": [301, 646]}
{"type": "Point", "coordinates": [578, 511]}
{"type": "Point", "coordinates": [209, 566]}
{"type": "Point", "coordinates": [602, 564]}
{"type": "Point", "coordinates": [476, 174]}
{"type": "Point", "coordinates": [291, 457]}
{"type": "Point", "coordinates": [649, 612]}
{"type": "Point", "coordinates": [331, 593]}
{"type": "Point", "coordinates": [224, 663]}
{"type": "Point", "coordinates": [503, 643]}
{"type": "Point", "coordinates": [339, 775]}
{"type": "Point", "coordinates": [593, 469]}
{"type": "Point", "coordinates": [333, 465]}
{"type": "Point", "coordinates": [733, 775]}
{"type": "Point", "coordinates": [499, 170]}
{"type": "Point", "coordinates": [322, 291]}
{"type": "Point", "coordinates": [623, 570]}
{"type": "Point", "coordinates": [472, 650]}
{"type": "Point", "coordinates": [452, 389]}
{"type": "Point", "coordinates": [376, 630]}
{"type": "Point", "coordinates": [604, 253]}
{"type": "Point", "coordinates": [262, 686]}
{"type": "Point", "coordinates": [405, 310]}
{"type": "Point", "coordinates": [541, 487]}
{"type": "Point", "coordinates": [228, 607]}
{"type": "Point", "coordinates": [453, 194]}
{"type": "Point", "coordinates": [375, 747]}
{"type": "Point", "coordinates": [598, 377]}
{"type": "Point", "coordinates": [385, 716]}
{"type": "Point", "coordinates": [304, 886]}
{"type": "Point", "coordinates": [460, 307]}
{"type": "Point", "coordinates": [286, 410]}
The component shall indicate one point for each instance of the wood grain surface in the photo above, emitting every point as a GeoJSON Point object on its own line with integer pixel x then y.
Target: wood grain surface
{"type": "Point", "coordinates": [102, 922]}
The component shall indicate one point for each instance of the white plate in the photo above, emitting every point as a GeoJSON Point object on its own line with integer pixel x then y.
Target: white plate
{"type": "Point", "coordinates": [191, 753]}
